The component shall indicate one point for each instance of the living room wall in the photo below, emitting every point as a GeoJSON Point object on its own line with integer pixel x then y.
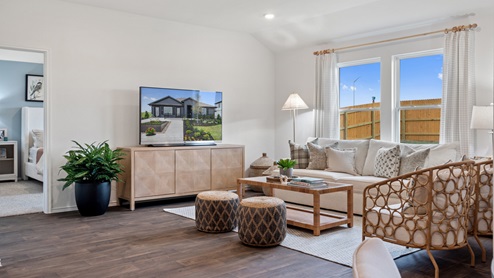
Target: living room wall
{"type": "Point", "coordinates": [295, 72]}
{"type": "Point", "coordinates": [97, 59]}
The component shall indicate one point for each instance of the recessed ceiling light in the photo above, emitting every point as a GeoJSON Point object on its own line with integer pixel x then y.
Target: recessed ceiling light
{"type": "Point", "coordinates": [269, 16]}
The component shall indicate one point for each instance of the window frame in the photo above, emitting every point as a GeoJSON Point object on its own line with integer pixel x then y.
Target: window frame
{"type": "Point", "coordinates": [395, 89]}
{"type": "Point", "coordinates": [359, 63]}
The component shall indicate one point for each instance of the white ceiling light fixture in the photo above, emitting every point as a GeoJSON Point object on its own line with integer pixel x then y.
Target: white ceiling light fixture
{"type": "Point", "coordinates": [269, 16]}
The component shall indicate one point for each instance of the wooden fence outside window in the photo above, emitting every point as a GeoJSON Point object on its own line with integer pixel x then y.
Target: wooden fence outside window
{"type": "Point", "coordinates": [416, 126]}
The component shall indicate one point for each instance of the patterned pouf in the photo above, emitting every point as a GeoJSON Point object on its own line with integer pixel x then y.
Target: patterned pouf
{"type": "Point", "coordinates": [216, 211]}
{"type": "Point", "coordinates": [262, 221]}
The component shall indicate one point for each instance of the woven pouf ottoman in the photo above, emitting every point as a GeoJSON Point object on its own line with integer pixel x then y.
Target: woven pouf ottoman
{"type": "Point", "coordinates": [216, 211]}
{"type": "Point", "coordinates": [262, 221]}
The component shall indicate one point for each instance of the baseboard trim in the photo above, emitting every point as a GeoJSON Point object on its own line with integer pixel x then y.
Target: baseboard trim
{"type": "Point", "coordinates": [73, 208]}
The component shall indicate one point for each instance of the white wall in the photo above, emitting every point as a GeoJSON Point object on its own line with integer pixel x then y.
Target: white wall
{"type": "Point", "coordinates": [98, 58]}
{"type": "Point", "coordinates": [295, 71]}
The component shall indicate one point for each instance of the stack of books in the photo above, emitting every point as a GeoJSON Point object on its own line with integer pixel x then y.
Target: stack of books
{"type": "Point", "coordinates": [308, 182]}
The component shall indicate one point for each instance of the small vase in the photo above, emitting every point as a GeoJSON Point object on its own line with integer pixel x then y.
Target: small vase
{"type": "Point", "coordinates": [287, 172]}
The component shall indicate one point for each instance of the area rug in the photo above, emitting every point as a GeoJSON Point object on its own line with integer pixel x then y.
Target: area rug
{"type": "Point", "coordinates": [20, 197]}
{"type": "Point", "coordinates": [336, 245]}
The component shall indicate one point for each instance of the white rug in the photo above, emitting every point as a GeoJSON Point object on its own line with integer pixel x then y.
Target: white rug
{"type": "Point", "coordinates": [20, 197]}
{"type": "Point", "coordinates": [335, 245]}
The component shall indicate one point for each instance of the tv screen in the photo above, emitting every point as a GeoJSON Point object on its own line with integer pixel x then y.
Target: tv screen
{"type": "Point", "coordinates": [179, 117]}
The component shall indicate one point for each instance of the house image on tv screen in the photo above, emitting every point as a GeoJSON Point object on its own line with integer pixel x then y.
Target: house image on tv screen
{"type": "Point", "coordinates": [170, 107]}
{"type": "Point", "coordinates": [174, 116]}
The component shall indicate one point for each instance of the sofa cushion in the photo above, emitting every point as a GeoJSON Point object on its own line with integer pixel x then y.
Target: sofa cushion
{"type": "Point", "coordinates": [387, 162]}
{"type": "Point", "coordinates": [300, 153]}
{"type": "Point", "coordinates": [359, 182]}
{"type": "Point", "coordinates": [328, 176]}
{"type": "Point", "coordinates": [412, 160]}
{"type": "Point", "coordinates": [317, 156]}
{"type": "Point", "coordinates": [341, 160]}
{"type": "Point", "coordinates": [442, 153]}
{"type": "Point", "coordinates": [362, 147]}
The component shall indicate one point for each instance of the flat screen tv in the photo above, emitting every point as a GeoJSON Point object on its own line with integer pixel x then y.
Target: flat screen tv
{"type": "Point", "coordinates": [170, 117]}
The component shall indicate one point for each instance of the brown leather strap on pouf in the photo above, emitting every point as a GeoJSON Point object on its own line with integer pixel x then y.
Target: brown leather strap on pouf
{"type": "Point", "coordinates": [216, 211]}
{"type": "Point", "coordinates": [262, 221]}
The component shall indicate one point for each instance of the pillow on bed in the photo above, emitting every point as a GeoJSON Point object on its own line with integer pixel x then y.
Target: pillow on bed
{"type": "Point", "coordinates": [37, 135]}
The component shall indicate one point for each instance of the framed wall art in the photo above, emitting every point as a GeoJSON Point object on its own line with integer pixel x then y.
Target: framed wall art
{"type": "Point", "coordinates": [3, 133]}
{"type": "Point", "coordinates": [35, 89]}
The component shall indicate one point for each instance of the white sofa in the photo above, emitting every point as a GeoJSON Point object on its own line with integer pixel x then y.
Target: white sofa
{"type": "Point", "coordinates": [365, 152]}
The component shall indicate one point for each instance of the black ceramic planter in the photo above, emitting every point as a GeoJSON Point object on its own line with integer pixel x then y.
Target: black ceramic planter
{"type": "Point", "coordinates": [92, 198]}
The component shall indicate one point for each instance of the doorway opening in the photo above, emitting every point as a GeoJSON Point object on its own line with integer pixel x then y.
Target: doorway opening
{"type": "Point", "coordinates": [23, 180]}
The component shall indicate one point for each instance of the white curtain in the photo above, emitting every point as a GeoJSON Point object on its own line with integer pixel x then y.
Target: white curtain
{"type": "Point", "coordinates": [327, 114]}
{"type": "Point", "coordinates": [458, 90]}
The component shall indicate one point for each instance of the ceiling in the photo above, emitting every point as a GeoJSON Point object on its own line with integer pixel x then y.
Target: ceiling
{"type": "Point", "coordinates": [299, 23]}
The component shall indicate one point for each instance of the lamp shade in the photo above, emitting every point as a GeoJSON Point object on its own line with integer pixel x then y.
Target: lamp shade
{"type": "Point", "coordinates": [294, 102]}
{"type": "Point", "coordinates": [482, 117]}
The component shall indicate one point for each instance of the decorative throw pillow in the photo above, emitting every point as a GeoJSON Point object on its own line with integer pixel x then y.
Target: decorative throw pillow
{"type": "Point", "coordinates": [300, 153]}
{"type": "Point", "coordinates": [317, 156]}
{"type": "Point", "coordinates": [411, 161]}
{"type": "Point", "coordinates": [374, 146]}
{"type": "Point", "coordinates": [37, 135]}
{"type": "Point", "coordinates": [387, 162]}
{"type": "Point", "coordinates": [341, 160]}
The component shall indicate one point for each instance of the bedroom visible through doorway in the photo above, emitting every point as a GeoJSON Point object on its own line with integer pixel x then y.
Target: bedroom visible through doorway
{"type": "Point", "coordinates": [22, 95]}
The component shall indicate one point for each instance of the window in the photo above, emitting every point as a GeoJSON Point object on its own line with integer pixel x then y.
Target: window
{"type": "Point", "coordinates": [167, 111]}
{"type": "Point", "coordinates": [360, 95]}
{"type": "Point", "coordinates": [410, 102]}
{"type": "Point", "coordinates": [418, 90]}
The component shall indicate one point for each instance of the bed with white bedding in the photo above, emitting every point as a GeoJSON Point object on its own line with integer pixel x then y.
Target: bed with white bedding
{"type": "Point", "coordinates": [32, 143]}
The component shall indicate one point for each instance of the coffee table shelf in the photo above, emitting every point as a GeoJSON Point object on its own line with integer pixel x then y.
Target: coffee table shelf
{"type": "Point", "coordinates": [314, 219]}
{"type": "Point", "coordinates": [304, 218]}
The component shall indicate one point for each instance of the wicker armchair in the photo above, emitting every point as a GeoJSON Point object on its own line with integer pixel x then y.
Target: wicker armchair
{"type": "Point", "coordinates": [432, 213]}
{"type": "Point", "coordinates": [480, 214]}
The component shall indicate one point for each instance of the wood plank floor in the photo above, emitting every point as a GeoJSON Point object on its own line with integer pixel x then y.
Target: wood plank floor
{"type": "Point", "coordinates": [150, 243]}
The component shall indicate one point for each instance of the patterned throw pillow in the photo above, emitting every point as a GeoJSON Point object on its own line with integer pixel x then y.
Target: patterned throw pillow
{"type": "Point", "coordinates": [317, 156]}
{"type": "Point", "coordinates": [387, 162]}
{"type": "Point", "coordinates": [300, 153]}
{"type": "Point", "coordinates": [412, 161]}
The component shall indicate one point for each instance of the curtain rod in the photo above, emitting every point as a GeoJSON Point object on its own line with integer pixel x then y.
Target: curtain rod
{"type": "Point", "coordinates": [454, 29]}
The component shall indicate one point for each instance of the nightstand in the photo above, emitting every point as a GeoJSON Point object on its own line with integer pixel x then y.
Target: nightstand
{"type": "Point", "coordinates": [8, 160]}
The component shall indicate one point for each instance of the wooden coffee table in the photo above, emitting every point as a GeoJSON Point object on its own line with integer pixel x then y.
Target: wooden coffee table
{"type": "Point", "coordinates": [313, 219]}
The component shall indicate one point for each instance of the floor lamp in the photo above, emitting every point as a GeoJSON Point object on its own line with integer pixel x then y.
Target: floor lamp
{"type": "Point", "coordinates": [294, 103]}
{"type": "Point", "coordinates": [482, 118]}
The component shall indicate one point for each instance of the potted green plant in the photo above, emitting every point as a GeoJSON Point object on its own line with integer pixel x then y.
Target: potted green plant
{"type": "Point", "coordinates": [92, 167]}
{"type": "Point", "coordinates": [286, 166]}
